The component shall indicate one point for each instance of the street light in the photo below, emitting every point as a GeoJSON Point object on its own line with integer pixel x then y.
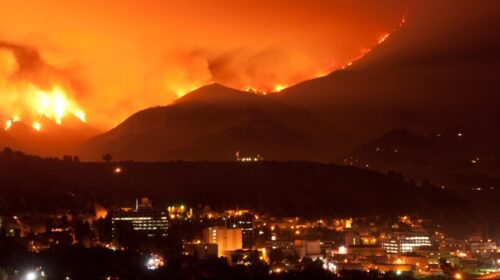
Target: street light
{"type": "Point", "coordinates": [30, 276]}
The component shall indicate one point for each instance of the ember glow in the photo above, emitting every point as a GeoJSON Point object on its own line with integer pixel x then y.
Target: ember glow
{"type": "Point", "coordinates": [37, 126]}
{"type": "Point", "coordinates": [35, 103]}
{"type": "Point", "coordinates": [31, 89]}
{"type": "Point", "coordinates": [279, 88]}
{"type": "Point", "coordinates": [132, 55]}
{"type": "Point", "coordinates": [8, 124]}
{"type": "Point", "coordinates": [55, 104]}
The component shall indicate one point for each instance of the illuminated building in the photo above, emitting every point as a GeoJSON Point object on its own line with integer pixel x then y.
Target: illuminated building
{"type": "Point", "coordinates": [418, 261]}
{"type": "Point", "coordinates": [248, 158]}
{"type": "Point", "coordinates": [352, 239]}
{"type": "Point", "coordinates": [227, 239]}
{"type": "Point", "coordinates": [348, 223]}
{"type": "Point", "coordinates": [386, 267]}
{"type": "Point", "coordinates": [434, 255]}
{"type": "Point", "coordinates": [369, 240]}
{"type": "Point", "coordinates": [202, 250]}
{"type": "Point", "coordinates": [364, 251]}
{"type": "Point", "coordinates": [144, 218]}
{"type": "Point", "coordinates": [308, 248]}
{"type": "Point", "coordinates": [405, 242]}
{"type": "Point", "coordinates": [454, 244]}
{"type": "Point", "coordinates": [342, 250]}
{"type": "Point", "coordinates": [483, 248]}
{"type": "Point", "coordinates": [180, 212]}
{"type": "Point", "coordinates": [281, 244]}
{"type": "Point", "coordinates": [242, 219]}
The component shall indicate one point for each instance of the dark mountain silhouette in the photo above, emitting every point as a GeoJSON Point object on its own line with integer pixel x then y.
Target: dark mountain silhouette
{"type": "Point", "coordinates": [421, 80]}
{"type": "Point", "coordinates": [51, 140]}
{"type": "Point", "coordinates": [284, 188]}
{"type": "Point", "coordinates": [439, 70]}
{"type": "Point", "coordinates": [214, 122]}
{"type": "Point", "coordinates": [457, 158]}
{"type": "Point", "coordinates": [290, 188]}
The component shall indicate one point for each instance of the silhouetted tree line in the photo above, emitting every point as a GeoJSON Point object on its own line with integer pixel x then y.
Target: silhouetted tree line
{"type": "Point", "coordinates": [77, 263]}
{"type": "Point", "coordinates": [306, 189]}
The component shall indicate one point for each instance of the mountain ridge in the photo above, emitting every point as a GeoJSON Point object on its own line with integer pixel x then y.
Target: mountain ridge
{"type": "Point", "coordinates": [213, 111]}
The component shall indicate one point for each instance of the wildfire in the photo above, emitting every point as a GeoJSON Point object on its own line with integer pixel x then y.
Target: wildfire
{"type": "Point", "coordinates": [8, 124]}
{"type": "Point", "coordinates": [326, 71]}
{"type": "Point", "coordinates": [255, 90]}
{"type": "Point", "coordinates": [383, 38]}
{"type": "Point", "coordinates": [251, 89]}
{"type": "Point", "coordinates": [54, 104]}
{"type": "Point", "coordinates": [81, 116]}
{"type": "Point", "coordinates": [37, 126]}
{"type": "Point", "coordinates": [40, 92]}
{"type": "Point", "coordinates": [279, 88]}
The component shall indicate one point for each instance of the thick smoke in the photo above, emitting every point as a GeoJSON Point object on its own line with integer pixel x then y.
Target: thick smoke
{"type": "Point", "coordinates": [22, 71]}
{"type": "Point", "coordinates": [137, 54]}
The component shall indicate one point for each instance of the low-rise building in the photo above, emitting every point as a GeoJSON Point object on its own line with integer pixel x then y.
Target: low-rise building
{"type": "Point", "coordinates": [202, 250]}
{"type": "Point", "coordinates": [144, 219]}
{"type": "Point", "coordinates": [405, 242]}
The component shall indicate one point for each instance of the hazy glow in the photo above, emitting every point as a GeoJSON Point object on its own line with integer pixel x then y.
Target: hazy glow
{"type": "Point", "coordinates": [279, 88]}
{"type": "Point", "coordinates": [37, 126]}
{"type": "Point", "coordinates": [114, 58]}
{"type": "Point", "coordinates": [31, 89]}
{"type": "Point", "coordinates": [30, 276]}
{"type": "Point", "coordinates": [54, 104]}
{"type": "Point", "coordinates": [8, 124]}
{"type": "Point", "coordinates": [81, 115]}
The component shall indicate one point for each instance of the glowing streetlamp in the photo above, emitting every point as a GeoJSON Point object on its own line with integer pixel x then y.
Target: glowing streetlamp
{"type": "Point", "coordinates": [30, 276]}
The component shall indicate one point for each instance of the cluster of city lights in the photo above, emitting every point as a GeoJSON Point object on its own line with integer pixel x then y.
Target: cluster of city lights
{"type": "Point", "coordinates": [247, 158]}
{"type": "Point", "coordinates": [155, 262]}
{"type": "Point", "coordinates": [34, 274]}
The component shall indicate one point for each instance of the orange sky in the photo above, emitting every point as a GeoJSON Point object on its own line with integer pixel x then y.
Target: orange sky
{"type": "Point", "coordinates": [117, 57]}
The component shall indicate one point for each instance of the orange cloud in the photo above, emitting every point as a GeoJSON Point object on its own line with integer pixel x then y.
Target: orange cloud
{"type": "Point", "coordinates": [135, 54]}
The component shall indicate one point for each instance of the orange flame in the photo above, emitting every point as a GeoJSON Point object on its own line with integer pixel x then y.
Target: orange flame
{"type": "Point", "coordinates": [322, 73]}
{"type": "Point", "coordinates": [279, 88]}
{"type": "Point", "coordinates": [55, 104]}
{"type": "Point", "coordinates": [8, 124]}
{"type": "Point", "coordinates": [30, 100]}
{"type": "Point", "coordinates": [37, 126]}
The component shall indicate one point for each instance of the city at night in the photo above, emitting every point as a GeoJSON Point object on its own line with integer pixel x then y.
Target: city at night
{"type": "Point", "coordinates": [249, 140]}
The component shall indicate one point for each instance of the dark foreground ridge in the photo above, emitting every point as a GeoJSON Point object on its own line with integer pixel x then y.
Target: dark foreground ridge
{"type": "Point", "coordinates": [285, 188]}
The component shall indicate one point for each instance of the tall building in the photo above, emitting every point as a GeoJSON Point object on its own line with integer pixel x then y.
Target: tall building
{"type": "Point", "coordinates": [242, 219]}
{"type": "Point", "coordinates": [405, 242]}
{"type": "Point", "coordinates": [143, 219]}
{"type": "Point", "coordinates": [227, 239]}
